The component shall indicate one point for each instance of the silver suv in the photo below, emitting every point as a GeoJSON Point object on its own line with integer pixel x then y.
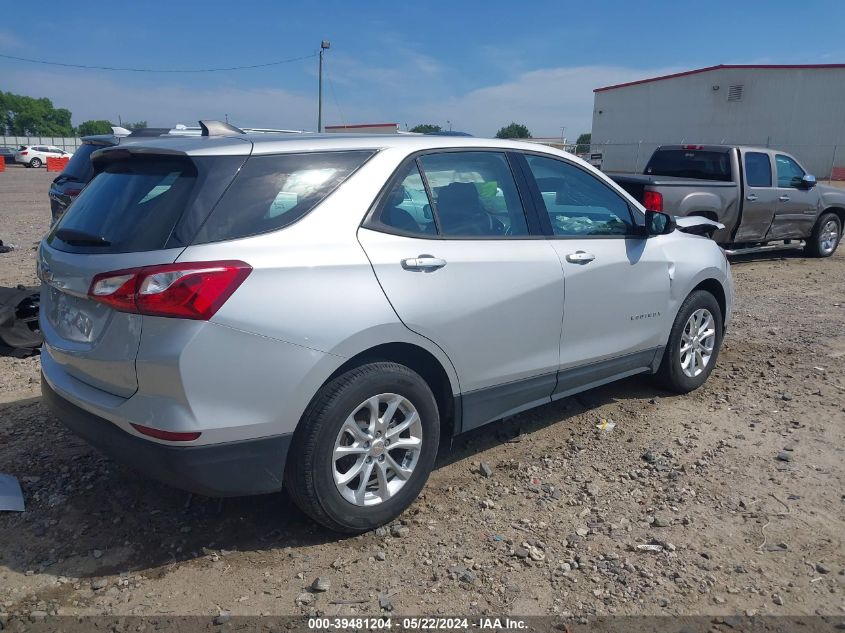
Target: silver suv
{"type": "Point", "coordinates": [240, 313]}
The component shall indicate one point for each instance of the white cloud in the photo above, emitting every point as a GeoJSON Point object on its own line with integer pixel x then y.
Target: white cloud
{"type": "Point", "coordinates": [545, 100]}
{"type": "Point", "coordinates": [414, 90]}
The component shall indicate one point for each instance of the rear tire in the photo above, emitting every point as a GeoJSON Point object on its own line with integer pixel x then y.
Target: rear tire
{"type": "Point", "coordinates": [339, 436]}
{"type": "Point", "coordinates": [35, 162]}
{"type": "Point", "coordinates": [694, 343]}
{"type": "Point", "coordinates": [825, 237]}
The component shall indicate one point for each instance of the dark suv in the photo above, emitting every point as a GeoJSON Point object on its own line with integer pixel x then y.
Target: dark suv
{"type": "Point", "coordinates": [76, 174]}
{"type": "Point", "coordinates": [79, 170]}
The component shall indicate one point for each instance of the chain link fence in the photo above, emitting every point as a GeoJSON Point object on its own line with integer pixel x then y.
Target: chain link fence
{"type": "Point", "coordinates": [67, 143]}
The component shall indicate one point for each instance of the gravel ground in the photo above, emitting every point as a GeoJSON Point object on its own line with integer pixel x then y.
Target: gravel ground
{"type": "Point", "coordinates": [730, 500]}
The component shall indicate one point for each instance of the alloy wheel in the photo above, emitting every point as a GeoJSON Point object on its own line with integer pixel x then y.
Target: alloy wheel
{"type": "Point", "coordinates": [829, 237]}
{"type": "Point", "coordinates": [376, 450]}
{"type": "Point", "coordinates": [698, 340]}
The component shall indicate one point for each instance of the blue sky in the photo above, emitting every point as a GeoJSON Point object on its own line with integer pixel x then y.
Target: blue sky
{"type": "Point", "coordinates": [477, 64]}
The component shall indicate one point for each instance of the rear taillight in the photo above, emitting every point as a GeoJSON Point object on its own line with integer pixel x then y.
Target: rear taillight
{"type": "Point", "coordinates": [193, 290]}
{"type": "Point", "coordinates": [23, 153]}
{"type": "Point", "coordinates": [72, 192]}
{"type": "Point", "coordinates": [653, 201]}
{"type": "Point", "coordinates": [692, 147]}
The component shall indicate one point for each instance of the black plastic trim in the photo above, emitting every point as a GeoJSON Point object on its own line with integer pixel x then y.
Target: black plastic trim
{"type": "Point", "coordinates": [483, 406]}
{"type": "Point", "coordinates": [577, 379]}
{"type": "Point", "coordinates": [486, 405]}
{"type": "Point", "coordinates": [231, 469]}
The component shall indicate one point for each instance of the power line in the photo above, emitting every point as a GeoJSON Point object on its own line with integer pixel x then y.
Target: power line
{"type": "Point", "coordinates": [159, 70]}
{"type": "Point", "coordinates": [334, 96]}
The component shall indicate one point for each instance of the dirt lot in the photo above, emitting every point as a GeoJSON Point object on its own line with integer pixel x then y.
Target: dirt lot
{"type": "Point", "coordinates": [558, 527]}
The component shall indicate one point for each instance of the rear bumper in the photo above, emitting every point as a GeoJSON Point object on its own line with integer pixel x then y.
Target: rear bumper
{"type": "Point", "coordinates": [229, 469]}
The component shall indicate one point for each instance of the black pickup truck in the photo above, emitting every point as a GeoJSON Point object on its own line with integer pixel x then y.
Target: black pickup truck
{"type": "Point", "coordinates": [762, 196]}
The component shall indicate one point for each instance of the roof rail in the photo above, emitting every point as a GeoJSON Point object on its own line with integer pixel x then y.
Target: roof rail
{"type": "Point", "coordinates": [218, 128]}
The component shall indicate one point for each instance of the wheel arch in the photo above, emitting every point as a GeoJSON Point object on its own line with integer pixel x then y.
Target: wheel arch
{"type": "Point", "coordinates": [715, 288]}
{"type": "Point", "coordinates": [425, 364]}
{"type": "Point", "coordinates": [839, 212]}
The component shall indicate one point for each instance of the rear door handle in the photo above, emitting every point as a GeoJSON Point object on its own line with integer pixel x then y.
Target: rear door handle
{"type": "Point", "coordinates": [423, 262]}
{"type": "Point", "coordinates": [580, 257]}
{"type": "Point", "coordinates": [751, 197]}
{"type": "Point", "coordinates": [783, 198]}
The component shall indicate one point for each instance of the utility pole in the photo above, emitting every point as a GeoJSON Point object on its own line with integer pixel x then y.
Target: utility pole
{"type": "Point", "coordinates": [324, 46]}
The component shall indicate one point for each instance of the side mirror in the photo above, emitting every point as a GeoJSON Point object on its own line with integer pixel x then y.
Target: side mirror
{"type": "Point", "coordinates": [657, 223]}
{"type": "Point", "coordinates": [808, 181]}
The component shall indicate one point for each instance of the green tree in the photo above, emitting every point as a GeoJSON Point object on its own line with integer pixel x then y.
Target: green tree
{"type": "Point", "coordinates": [426, 128]}
{"type": "Point", "coordinates": [27, 116]}
{"type": "Point", "coordinates": [583, 143]}
{"type": "Point", "coordinates": [514, 130]}
{"type": "Point", "coordinates": [135, 126]}
{"type": "Point", "coordinates": [100, 126]}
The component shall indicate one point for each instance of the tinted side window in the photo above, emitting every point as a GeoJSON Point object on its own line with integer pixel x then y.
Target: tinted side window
{"type": "Point", "coordinates": [406, 207]}
{"type": "Point", "coordinates": [273, 191]}
{"type": "Point", "coordinates": [789, 173]}
{"type": "Point", "coordinates": [577, 202]}
{"type": "Point", "coordinates": [474, 194]}
{"type": "Point", "coordinates": [758, 169]}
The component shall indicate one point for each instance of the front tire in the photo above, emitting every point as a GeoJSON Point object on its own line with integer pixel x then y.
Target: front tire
{"type": "Point", "coordinates": [35, 162]}
{"type": "Point", "coordinates": [694, 344]}
{"type": "Point", "coordinates": [826, 235]}
{"type": "Point", "coordinates": [364, 448]}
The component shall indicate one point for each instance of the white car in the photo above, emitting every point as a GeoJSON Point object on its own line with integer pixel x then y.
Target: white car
{"type": "Point", "coordinates": [37, 155]}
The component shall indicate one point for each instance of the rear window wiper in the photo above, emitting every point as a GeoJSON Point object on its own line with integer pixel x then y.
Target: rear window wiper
{"type": "Point", "coordinates": [81, 238]}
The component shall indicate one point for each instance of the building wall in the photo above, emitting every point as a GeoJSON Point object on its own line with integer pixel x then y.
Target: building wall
{"type": "Point", "coordinates": [801, 111]}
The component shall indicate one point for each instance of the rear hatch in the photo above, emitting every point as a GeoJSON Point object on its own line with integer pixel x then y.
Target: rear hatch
{"type": "Point", "coordinates": [142, 208]}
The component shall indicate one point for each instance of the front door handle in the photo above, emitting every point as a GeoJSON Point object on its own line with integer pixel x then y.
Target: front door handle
{"type": "Point", "coordinates": [783, 198]}
{"type": "Point", "coordinates": [423, 262]}
{"type": "Point", "coordinates": [751, 197]}
{"type": "Point", "coordinates": [580, 257]}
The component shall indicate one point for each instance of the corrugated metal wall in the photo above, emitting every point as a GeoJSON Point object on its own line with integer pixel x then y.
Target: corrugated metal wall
{"type": "Point", "coordinates": [801, 111]}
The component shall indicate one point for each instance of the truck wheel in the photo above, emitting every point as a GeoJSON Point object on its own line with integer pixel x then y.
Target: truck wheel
{"type": "Point", "coordinates": [364, 448]}
{"type": "Point", "coordinates": [825, 237]}
{"type": "Point", "coordinates": [694, 344]}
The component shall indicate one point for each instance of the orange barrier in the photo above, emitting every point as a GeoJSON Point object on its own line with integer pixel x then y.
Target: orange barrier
{"type": "Point", "coordinates": [56, 164]}
{"type": "Point", "coordinates": [837, 173]}
{"type": "Point", "coordinates": [2, 165]}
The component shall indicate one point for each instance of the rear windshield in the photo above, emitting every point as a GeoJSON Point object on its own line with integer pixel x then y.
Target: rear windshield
{"type": "Point", "coordinates": [79, 167]}
{"type": "Point", "coordinates": [690, 163]}
{"type": "Point", "coordinates": [273, 191]}
{"type": "Point", "coordinates": [143, 203]}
